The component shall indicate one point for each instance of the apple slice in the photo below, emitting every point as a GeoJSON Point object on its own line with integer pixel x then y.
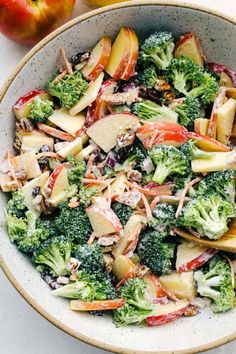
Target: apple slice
{"type": "Point", "coordinates": [123, 265]}
{"type": "Point", "coordinates": [132, 230]}
{"type": "Point", "coordinates": [105, 131]}
{"type": "Point", "coordinates": [189, 45]}
{"type": "Point", "coordinates": [192, 256]}
{"type": "Point", "coordinates": [231, 92]}
{"type": "Point", "coordinates": [225, 80]}
{"type": "Point", "coordinates": [70, 124]}
{"type": "Point", "coordinates": [167, 313]}
{"type": "Point", "coordinates": [208, 144]}
{"type": "Point", "coordinates": [201, 126]}
{"type": "Point", "coordinates": [98, 59]}
{"type": "Point", "coordinates": [29, 163]}
{"type": "Point", "coordinates": [71, 149]}
{"type": "Point", "coordinates": [96, 305]}
{"type": "Point", "coordinates": [28, 188]}
{"type": "Point", "coordinates": [102, 218]}
{"type": "Point", "coordinates": [57, 185]}
{"type": "Point", "coordinates": [130, 69]}
{"type": "Point", "coordinates": [83, 154]}
{"type": "Point", "coordinates": [56, 133]}
{"type": "Point", "coordinates": [118, 186]}
{"type": "Point", "coordinates": [89, 96]}
{"type": "Point", "coordinates": [120, 54]}
{"type": "Point", "coordinates": [181, 285]}
{"type": "Point", "coordinates": [154, 288]}
{"type": "Point", "coordinates": [219, 162]}
{"type": "Point", "coordinates": [22, 106]}
{"type": "Point", "coordinates": [33, 143]}
{"type": "Point", "coordinates": [225, 120]}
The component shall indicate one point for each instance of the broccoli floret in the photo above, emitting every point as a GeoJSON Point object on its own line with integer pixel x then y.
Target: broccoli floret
{"type": "Point", "coordinates": [168, 161]}
{"type": "Point", "coordinates": [91, 258]}
{"type": "Point", "coordinates": [147, 178]}
{"type": "Point", "coordinates": [155, 253]}
{"type": "Point", "coordinates": [86, 193]}
{"type": "Point", "coordinates": [188, 111]}
{"type": "Point", "coordinates": [122, 211]}
{"type": "Point", "coordinates": [163, 220]}
{"type": "Point", "coordinates": [47, 224]}
{"type": "Point", "coordinates": [136, 157]}
{"type": "Point", "coordinates": [192, 152]}
{"type": "Point", "coordinates": [16, 205]}
{"type": "Point", "coordinates": [221, 182]}
{"type": "Point", "coordinates": [149, 77]}
{"type": "Point", "coordinates": [216, 284]}
{"type": "Point", "coordinates": [77, 171]}
{"type": "Point", "coordinates": [158, 49]}
{"type": "Point", "coordinates": [73, 222]}
{"type": "Point", "coordinates": [54, 254]}
{"type": "Point", "coordinates": [205, 87]}
{"type": "Point", "coordinates": [69, 89]}
{"type": "Point", "coordinates": [209, 214]}
{"type": "Point", "coordinates": [87, 288]}
{"type": "Point", "coordinates": [25, 233]}
{"type": "Point", "coordinates": [181, 74]}
{"type": "Point", "coordinates": [40, 110]}
{"type": "Point", "coordinates": [151, 111]}
{"type": "Point", "coordinates": [137, 307]}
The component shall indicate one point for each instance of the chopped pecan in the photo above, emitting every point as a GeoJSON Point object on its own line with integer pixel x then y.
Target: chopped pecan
{"type": "Point", "coordinates": [119, 98]}
{"type": "Point", "coordinates": [169, 95]}
{"type": "Point", "coordinates": [108, 262]}
{"type": "Point", "coordinates": [134, 175]}
{"type": "Point", "coordinates": [191, 310]}
{"type": "Point", "coordinates": [25, 125]}
{"type": "Point", "coordinates": [125, 139]}
{"type": "Point", "coordinates": [162, 85]}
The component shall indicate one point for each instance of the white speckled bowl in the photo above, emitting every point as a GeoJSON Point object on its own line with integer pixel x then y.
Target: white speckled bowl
{"type": "Point", "coordinates": [187, 335]}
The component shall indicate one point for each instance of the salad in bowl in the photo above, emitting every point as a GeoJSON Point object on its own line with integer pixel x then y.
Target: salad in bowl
{"type": "Point", "coordinates": [123, 146]}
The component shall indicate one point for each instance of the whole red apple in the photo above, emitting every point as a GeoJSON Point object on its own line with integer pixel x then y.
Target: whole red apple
{"type": "Point", "coordinates": [28, 21]}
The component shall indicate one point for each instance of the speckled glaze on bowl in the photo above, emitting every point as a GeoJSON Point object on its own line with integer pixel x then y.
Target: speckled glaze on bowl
{"type": "Point", "coordinates": [187, 335]}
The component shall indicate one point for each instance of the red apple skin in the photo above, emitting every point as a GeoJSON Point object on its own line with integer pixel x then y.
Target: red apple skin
{"type": "Point", "coordinates": [162, 319]}
{"type": "Point", "coordinates": [197, 262]}
{"type": "Point", "coordinates": [24, 99]}
{"type": "Point", "coordinates": [208, 144]}
{"type": "Point", "coordinates": [54, 176]}
{"type": "Point", "coordinates": [56, 133]}
{"type": "Point", "coordinates": [28, 21]}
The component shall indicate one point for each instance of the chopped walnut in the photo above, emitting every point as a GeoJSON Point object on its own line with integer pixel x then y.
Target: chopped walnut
{"type": "Point", "coordinates": [134, 176]}
{"type": "Point", "coordinates": [108, 240]}
{"type": "Point", "coordinates": [131, 198]}
{"type": "Point", "coordinates": [73, 265]}
{"type": "Point", "coordinates": [25, 125]}
{"type": "Point", "coordinates": [169, 95]}
{"type": "Point", "coordinates": [119, 98]}
{"type": "Point", "coordinates": [108, 262]}
{"type": "Point", "coordinates": [162, 85]}
{"type": "Point", "coordinates": [125, 139]}
{"type": "Point", "coordinates": [191, 310]}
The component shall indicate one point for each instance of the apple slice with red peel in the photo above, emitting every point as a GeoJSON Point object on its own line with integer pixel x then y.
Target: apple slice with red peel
{"type": "Point", "coordinates": [102, 218]}
{"type": "Point", "coordinates": [130, 69]}
{"type": "Point", "coordinates": [189, 45]}
{"type": "Point", "coordinates": [70, 124]}
{"type": "Point", "coordinates": [201, 126]}
{"type": "Point", "coordinates": [154, 288]}
{"type": "Point", "coordinates": [182, 285]}
{"type": "Point", "coordinates": [89, 96]}
{"type": "Point", "coordinates": [98, 59]}
{"type": "Point", "coordinates": [118, 187]}
{"type": "Point", "coordinates": [225, 121]}
{"type": "Point", "coordinates": [57, 185]}
{"type": "Point", "coordinates": [71, 149]}
{"type": "Point", "coordinates": [208, 144]}
{"type": "Point", "coordinates": [28, 162]}
{"type": "Point", "coordinates": [106, 130]}
{"type": "Point", "coordinates": [33, 143]}
{"type": "Point", "coordinates": [120, 54]}
{"type": "Point", "coordinates": [22, 106]}
{"type": "Point", "coordinates": [56, 133]}
{"type": "Point", "coordinates": [167, 313]}
{"type": "Point", "coordinates": [192, 256]}
{"type": "Point", "coordinates": [96, 305]}
{"type": "Point", "coordinates": [28, 188]}
{"type": "Point", "coordinates": [123, 265]}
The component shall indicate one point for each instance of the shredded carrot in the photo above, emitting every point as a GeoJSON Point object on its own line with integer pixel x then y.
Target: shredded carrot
{"type": "Point", "coordinates": [153, 138]}
{"type": "Point", "coordinates": [56, 133]}
{"type": "Point", "coordinates": [158, 190]}
{"type": "Point", "coordinates": [91, 238]}
{"type": "Point", "coordinates": [95, 181]}
{"type": "Point", "coordinates": [185, 191]}
{"type": "Point", "coordinates": [147, 207]}
{"type": "Point", "coordinates": [60, 77]}
{"type": "Point", "coordinates": [154, 202]}
{"type": "Point", "coordinates": [133, 240]}
{"type": "Point", "coordinates": [66, 61]}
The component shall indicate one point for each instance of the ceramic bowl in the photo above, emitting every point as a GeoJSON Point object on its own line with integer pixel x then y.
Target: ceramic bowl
{"type": "Point", "coordinates": [186, 335]}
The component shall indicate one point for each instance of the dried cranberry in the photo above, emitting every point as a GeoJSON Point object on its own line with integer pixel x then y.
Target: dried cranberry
{"type": "Point", "coordinates": [35, 191]}
{"type": "Point", "coordinates": [44, 148]}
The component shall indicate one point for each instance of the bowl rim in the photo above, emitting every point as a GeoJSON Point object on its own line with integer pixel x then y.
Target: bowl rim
{"type": "Point", "coordinates": [36, 306]}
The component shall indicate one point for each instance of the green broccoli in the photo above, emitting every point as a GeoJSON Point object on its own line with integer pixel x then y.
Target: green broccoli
{"type": "Point", "coordinates": [151, 111]}
{"type": "Point", "coordinates": [181, 74]}
{"type": "Point", "coordinates": [87, 288]}
{"type": "Point", "coordinates": [73, 222]}
{"type": "Point", "coordinates": [16, 205]}
{"type": "Point", "coordinates": [69, 89]}
{"type": "Point", "coordinates": [149, 77]}
{"type": "Point", "coordinates": [86, 193]}
{"type": "Point", "coordinates": [221, 182]}
{"type": "Point", "coordinates": [163, 220]}
{"type": "Point", "coordinates": [190, 150]}
{"type": "Point", "coordinates": [25, 233]}
{"type": "Point", "coordinates": [40, 110]}
{"type": "Point", "coordinates": [215, 282]}
{"type": "Point", "coordinates": [55, 254]}
{"type": "Point", "coordinates": [47, 224]}
{"type": "Point", "coordinates": [168, 161]}
{"type": "Point", "coordinates": [158, 49]}
{"type": "Point", "coordinates": [137, 307]}
{"type": "Point", "coordinates": [209, 214]}
{"type": "Point", "coordinates": [205, 88]}
{"type": "Point", "coordinates": [155, 253]}
{"type": "Point", "coordinates": [136, 157]}
{"type": "Point", "coordinates": [122, 211]}
{"type": "Point", "coordinates": [91, 258]}
{"type": "Point", "coordinates": [188, 111]}
{"type": "Point", "coordinates": [77, 171]}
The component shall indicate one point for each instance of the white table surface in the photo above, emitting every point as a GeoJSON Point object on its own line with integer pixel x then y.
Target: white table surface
{"type": "Point", "coordinates": [22, 329]}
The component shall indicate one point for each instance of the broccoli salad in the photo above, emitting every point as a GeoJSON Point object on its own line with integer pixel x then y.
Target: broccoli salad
{"type": "Point", "coordinates": [124, 146]}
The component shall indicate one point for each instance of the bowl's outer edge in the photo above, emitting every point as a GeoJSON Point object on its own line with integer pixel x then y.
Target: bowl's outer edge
{"type": "Point", "coordinates": [3, 91]}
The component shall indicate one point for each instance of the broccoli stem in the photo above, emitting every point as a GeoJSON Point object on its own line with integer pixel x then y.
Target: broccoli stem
{"type": "Point", "coordinates": [160, 174]}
